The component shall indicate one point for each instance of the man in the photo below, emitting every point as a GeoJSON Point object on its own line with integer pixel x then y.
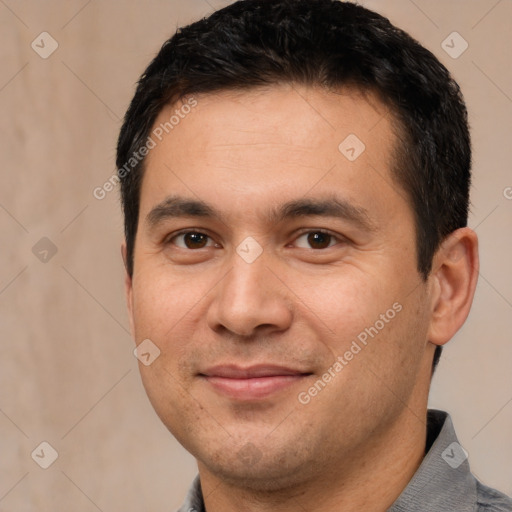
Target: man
{"type": "Point", "coordinates": [295, 178]}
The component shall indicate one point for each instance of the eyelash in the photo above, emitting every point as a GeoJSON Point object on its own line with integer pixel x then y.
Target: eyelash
{"type": "Point", "coordinates": [338, 238]}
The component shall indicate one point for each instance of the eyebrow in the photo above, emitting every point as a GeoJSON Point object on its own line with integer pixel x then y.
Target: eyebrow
{"type": "Point", "coordinates": [177, 206]}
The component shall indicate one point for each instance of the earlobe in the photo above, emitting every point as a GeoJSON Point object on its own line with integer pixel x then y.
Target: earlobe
{"type": "Point", "coordinates": [454, 277]}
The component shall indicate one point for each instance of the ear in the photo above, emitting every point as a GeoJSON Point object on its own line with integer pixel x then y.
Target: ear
{"type": "Point", "coordinates": [128, 288]}
{"type": "Point", "coordinates": [453, 282]}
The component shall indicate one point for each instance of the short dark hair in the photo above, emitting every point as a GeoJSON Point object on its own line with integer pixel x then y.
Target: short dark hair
{"type": "Point", "coordinates": [326, 43]}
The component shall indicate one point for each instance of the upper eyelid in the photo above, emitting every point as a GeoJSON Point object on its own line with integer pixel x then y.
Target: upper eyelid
{"type": "Point", "coordinates": [167, 239]}
{"type": "Point", "coordinates": [337, 237]}
{"type": "Point", "coordinates": [174, 234]}
{"type": "Point", "coordinates": [321, 230]}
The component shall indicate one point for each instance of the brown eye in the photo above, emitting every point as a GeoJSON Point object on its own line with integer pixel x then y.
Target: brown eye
{"type": "Point", "coordinates": [195, 240]}
{"type": "Point", "coordinates": [315, 240]}
{"type": "Point", "coordinates": [319, 240]}
{"type": "Point", "coordinates": [191, 240]}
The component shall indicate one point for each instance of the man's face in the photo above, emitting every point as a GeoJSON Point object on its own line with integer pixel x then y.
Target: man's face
{"type": "Point", "coordinates": [304, 258]}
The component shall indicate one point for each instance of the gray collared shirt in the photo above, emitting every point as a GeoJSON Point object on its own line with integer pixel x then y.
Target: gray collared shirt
{"type": "Point", "coordinates": [442, 483]}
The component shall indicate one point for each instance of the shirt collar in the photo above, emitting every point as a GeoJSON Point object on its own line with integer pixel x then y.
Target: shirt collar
{"type": "Point", "coordinates": [194, 500]}
{"type": "Point", "coordinates": [443, 482]}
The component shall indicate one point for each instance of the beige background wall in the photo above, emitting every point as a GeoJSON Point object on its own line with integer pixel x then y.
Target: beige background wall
{"type": "Point", "coordinates": [67, 373]}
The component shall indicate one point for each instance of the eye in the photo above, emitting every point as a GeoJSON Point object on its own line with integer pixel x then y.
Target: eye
{"type": "Point", "coordinates": [316, 240]}
{"type": "Point", "coordinates": [191, 240]}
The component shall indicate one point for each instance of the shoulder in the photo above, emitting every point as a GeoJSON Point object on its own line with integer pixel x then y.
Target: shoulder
{"type": "Point", "coordinates": [491, 500]}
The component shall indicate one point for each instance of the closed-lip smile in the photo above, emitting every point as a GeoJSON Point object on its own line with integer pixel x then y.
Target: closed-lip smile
{"type": "Point", "coordinates": [253, 382]}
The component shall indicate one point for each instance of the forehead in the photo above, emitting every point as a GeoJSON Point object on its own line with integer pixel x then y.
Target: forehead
{"type": "Point", "coordinates": [281, 113]}
{"type": "Point", "coordinates": [271, 144]}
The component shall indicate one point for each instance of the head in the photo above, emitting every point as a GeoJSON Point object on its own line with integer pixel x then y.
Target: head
{"type": "Point", "coordinates": [267, 98]}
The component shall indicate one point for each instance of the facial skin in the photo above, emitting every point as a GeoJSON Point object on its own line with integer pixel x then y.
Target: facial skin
{"type": "Point", "coordinates": [357, 443]}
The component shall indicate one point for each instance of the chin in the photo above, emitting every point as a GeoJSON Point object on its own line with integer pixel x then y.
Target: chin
{"type": "Point", "coordinates": [271, 477]}
{"type": "Point", "coordinates": [260, 468]}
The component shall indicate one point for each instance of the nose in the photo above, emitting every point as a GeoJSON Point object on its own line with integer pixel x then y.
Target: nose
{"type": "Point", "coordinates": [250, 299]}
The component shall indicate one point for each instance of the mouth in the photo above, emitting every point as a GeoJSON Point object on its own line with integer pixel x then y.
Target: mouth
{"type": "Point", "coordinates": [252, 383]}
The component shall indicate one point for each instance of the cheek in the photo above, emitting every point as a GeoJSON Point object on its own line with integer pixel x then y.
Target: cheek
{"type": "Point", "coordinates": [394, 347]}
{"type": "Point", "coordinates": [157, 310]}
{"type": "Point", "coordinates": [159, 313]}
{"type": "Point", "coordinates": [159, 303]}
{"type": "Point", "coordinates": [345, 302]}
{"type": "Point", "coordinates": [377, 326]}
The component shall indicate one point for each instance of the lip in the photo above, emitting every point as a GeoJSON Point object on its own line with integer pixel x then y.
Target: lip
{"type": "Point", "coordinates": [251, 383]}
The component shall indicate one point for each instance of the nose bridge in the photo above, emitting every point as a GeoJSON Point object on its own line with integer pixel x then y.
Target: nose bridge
{"type": "Point", "coordinates": [245, 281]}
{"type": "Point", "coordinates": [249, 296]}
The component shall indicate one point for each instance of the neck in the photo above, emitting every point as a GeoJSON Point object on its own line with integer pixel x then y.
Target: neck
{"type": "Point", "coordinates": [370, 478]}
